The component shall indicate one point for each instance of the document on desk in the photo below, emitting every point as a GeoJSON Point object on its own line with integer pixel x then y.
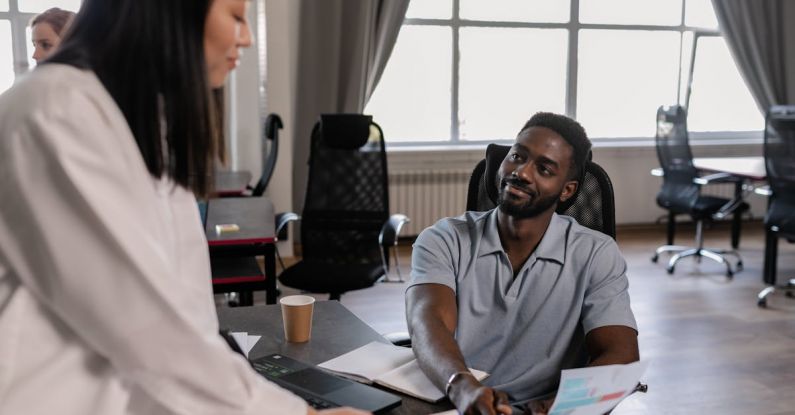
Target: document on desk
{"type": "Point", "coordinates": [596, 390]}
{"type": "Point", "coordinates": [391, 366]}
{"type": "Point", "coordinates": [245, 341]}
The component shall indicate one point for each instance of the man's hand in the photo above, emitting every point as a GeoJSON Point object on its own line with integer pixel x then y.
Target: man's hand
{"type": "Point", "coordinates": [472, 398]}
{"type": "Point", "coordinates": [540, 407]}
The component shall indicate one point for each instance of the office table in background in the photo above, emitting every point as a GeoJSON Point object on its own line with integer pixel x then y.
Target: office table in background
{"type": "Point", "coordinates": [231, 183]}
{"type": "Point", "coordinates": [335, 331]}
{"type": "Point", "coordinates": [752, 168]}
{"type": "Point", "coordinates": [256, 236]}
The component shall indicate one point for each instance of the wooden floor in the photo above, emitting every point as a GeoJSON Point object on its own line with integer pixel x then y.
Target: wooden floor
{"type": "Point", "coordinates": [712, 350]}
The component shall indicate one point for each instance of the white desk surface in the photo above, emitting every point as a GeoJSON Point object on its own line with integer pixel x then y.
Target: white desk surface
{"type": "Point", "coordinates": [750, 167]}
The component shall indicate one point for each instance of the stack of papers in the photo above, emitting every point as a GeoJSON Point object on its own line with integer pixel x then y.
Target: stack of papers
{"type": "Point", "coordinates": [391, 366]}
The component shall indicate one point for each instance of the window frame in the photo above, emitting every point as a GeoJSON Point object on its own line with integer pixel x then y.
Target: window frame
{"type": "Point", "coordinates": [573, 27]}
{"type": "Point", "coordinates": [19, 24]}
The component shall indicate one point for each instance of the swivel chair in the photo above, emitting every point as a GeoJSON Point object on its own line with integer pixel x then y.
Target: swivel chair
{"type": "Point", "coordinates": [681, 191]}
{"type": "Point", "coordinates": [346, 229]}
{"type": "Point", "coordinates": [780, 168]}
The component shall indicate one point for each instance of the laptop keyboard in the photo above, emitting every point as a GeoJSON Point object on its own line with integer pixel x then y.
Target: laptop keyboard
{"type": "Point", "coordinates": [275, 371]}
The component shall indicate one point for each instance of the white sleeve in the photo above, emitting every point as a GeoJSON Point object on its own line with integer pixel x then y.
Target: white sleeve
{"type": "Point", "coordinates": [86, 246]}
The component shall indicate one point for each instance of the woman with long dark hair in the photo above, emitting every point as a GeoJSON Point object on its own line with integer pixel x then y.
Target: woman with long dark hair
{"type": "Point", "coordinates": [106, 305]}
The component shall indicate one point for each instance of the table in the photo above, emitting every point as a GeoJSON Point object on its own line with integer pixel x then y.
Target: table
{"type": "Point", "coordinates": [256, 236]}
{"type": "Point", "coordinates": [752, 168]}
{"type": "Point", "coordinates": [335, 330]}
{"type": "Point", "coordinates": [231, 183]}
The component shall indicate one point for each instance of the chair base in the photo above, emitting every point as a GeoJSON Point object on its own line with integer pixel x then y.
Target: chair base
{"type": "Point", "coordinates": [789, 288]}
{"type": "Point", "coordinates": [717, 255]}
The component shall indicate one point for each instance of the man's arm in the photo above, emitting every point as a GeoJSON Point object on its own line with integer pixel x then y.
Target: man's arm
{"type": "Point", "coordinates": [431, 314]}
{"type": "Point", "coordinates": [610, 345]}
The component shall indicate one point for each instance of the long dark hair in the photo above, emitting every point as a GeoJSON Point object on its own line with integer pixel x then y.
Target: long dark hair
{"type": "Point", "coordinates": [149, 55]}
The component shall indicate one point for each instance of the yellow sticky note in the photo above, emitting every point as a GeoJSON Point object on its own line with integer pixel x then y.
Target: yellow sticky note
{"type": "Point", "coordinates": [226, 228]}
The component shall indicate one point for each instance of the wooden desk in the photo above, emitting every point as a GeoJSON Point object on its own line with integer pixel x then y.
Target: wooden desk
{"type": "Point", "coordinates": [335, 330]}
{"type": "Point", "coordinates": [752, 168]}
{"type": "Point", "coordinates": [255, 218]}
{"type": "Point", "coordinates": [231, 183]}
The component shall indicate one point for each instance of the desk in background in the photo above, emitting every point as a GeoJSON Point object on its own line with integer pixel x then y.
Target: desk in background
{"type": "Point", "coordinates": [256, 236]}
{"type": "Point", "coordinates": [335, 330]}
{"type": "Point", "coordinates": [752, 168]}
{"type": "Point", "coordinates": [231, 183]}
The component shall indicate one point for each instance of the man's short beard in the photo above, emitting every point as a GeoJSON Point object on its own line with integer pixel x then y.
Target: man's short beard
{"type": "Point", "coordinates": [529, 209]}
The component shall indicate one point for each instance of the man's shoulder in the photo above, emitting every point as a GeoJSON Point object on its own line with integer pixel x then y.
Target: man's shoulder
{"type": "Point", "coordinates": [584, 239]}
{"type": "Point", "coordinates": [462, 224]}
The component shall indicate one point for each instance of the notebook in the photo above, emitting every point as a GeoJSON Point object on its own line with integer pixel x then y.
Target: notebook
{"type": "Point", "coordinates": [391, 366]}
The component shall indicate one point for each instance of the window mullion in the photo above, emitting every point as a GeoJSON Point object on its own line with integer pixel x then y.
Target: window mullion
{"type": "Point", "coordinates": [571, 64]}
{"type": "Point", "coordinates": [454, 118]}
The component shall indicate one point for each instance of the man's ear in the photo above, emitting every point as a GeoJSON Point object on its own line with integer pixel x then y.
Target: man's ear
{"type": "Point", "coordinates": [568, 190]}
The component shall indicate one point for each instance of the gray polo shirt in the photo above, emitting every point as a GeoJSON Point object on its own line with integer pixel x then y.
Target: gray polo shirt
{"type": "Point", "coordinates": [523, 331]}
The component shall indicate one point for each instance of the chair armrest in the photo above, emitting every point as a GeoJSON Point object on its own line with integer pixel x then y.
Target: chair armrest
{"type": "Point", "coordinates": [716, 178]}
{"type": "Point", "coordinates": [282, 219]}
{"type": "Point", "coordinates": [763, 190]}
{"type": "Point", "coordinates": [391, 229]}
{"type": "Point", "coordinates": [729, 208]}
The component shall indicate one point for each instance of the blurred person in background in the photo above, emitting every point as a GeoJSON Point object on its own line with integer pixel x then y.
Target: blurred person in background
{"type": "Point", "coordinates": [47, 30]}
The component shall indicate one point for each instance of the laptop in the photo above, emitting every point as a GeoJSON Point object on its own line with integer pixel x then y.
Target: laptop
{"type": "Point", "coordinates": [320, 389]}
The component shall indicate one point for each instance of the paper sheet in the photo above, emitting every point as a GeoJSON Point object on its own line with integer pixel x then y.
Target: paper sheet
{"type": "Point", "coordinates": [245, 341]}
{"type": "Point", "coordinates": [596, 390]}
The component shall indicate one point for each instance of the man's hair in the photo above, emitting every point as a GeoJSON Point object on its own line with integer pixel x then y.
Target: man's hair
{"type": "Point", "coordinates": [149, 55]}
{"type": "Point", "coordinates": [59, 19]}
{"type": "Point", "coordinates": [571, 131]}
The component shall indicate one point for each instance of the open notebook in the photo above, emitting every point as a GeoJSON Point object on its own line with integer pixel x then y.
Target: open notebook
{"type": "Point", "coordinates": [391, 366]}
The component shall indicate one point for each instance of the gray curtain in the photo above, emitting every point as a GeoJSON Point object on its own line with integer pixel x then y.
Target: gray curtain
{"type": "Point", "coordinates": [760, 35]}
{"type": "Point", "coordinates": [344, 46]}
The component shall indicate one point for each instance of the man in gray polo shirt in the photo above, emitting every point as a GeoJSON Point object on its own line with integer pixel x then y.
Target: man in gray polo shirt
{"type": "Point", "coordinates": [519, 291]}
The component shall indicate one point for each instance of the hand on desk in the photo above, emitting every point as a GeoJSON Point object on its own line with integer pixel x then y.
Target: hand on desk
{"type": "Point", "coordinates": [472, 398]}
{"type": "Point", "coordinates": [338, 411]}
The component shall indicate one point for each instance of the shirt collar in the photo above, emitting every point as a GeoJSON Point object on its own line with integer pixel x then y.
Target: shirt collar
{"type": "Point", "coordinates": [551, 247]}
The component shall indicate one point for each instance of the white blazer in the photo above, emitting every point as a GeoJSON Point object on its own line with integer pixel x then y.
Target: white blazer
{"type": "Point", "coordinates": [106, 302]}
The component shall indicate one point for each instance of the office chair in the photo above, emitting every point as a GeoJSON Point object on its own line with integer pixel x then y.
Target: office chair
{"type": "Point", "coordinates": [346, 229]}
{"type": "Point", "coordinates": [681, 191]}
{"type": "Point", "coordinates": [780, 217]}
{"type": "Point", "coordinates": [592, 206]}
{"type": "Point", "coordinates": [273, 123]}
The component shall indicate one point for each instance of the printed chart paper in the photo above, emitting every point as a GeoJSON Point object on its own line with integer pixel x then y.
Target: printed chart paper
{"type": "Point", "coordinates": [596, 390]}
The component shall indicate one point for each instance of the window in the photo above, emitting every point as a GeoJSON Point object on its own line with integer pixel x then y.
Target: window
{"type": "Point", "coordinates": [470, 71]}
{"type": "Point", "coordinates": [15, 45]}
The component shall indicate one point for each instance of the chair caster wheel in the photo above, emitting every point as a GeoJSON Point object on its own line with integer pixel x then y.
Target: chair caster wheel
{"type": "Point", "coordinates": [654, 258]}
{"type": "Point", "coordinates": [789, 294]}
{"type": "Point", "coordinates": [729, 274]}
{"type": "Point", "coordinates": [762, 303]}
{"type": "Point", "coordinates": [670, 270]}
{"type": "Point", "coordinates": [739, 266]}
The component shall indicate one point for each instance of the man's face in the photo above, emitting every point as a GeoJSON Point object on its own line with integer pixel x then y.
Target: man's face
{"type": "Point", "coordinates": [534, 176]}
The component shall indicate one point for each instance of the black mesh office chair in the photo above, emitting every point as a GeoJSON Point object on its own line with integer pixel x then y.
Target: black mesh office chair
{"type": "Point", "coordinates": [780, 167]}
{"type": "Point", "coordinates": [681, 191]}
{"type": "Point", "coordinates": [592, 206]}
{"type": "Point", "coordinates": [346, 229]}
{"type": "Point", "coordinates": [270, 133]}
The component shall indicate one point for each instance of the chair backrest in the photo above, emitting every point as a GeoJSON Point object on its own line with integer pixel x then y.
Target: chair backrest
{"type": "Point", "coordinates": [347, 196]}
{"type": "Point", "coordinates": [270, 132]}
{"type": "Point", "coordinates": [592, 206]}
{"type": "Point", "coordinates": [678, 193]}
{"type": "Point", "coordinates": [780, 167]}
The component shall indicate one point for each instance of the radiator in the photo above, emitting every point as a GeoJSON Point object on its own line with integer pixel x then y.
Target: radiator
{"type": "Point", "coordinates": [426, 196]}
